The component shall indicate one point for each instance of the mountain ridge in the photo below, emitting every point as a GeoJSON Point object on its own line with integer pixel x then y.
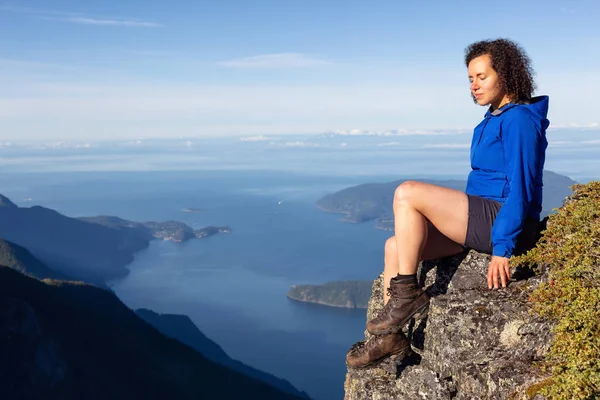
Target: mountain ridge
{"type": "Point", "coordinates": [92, 249]}
{"type": "Point", "coordinates": [20, 259]}
{"type": "Point", "coordinates": [70, 340]}
{"type": "Point", "coordinates": [182, 328]}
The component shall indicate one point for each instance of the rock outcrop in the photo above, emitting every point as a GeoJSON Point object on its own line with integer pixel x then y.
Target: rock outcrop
{"type": "Point", "coordinates": [475, 343]}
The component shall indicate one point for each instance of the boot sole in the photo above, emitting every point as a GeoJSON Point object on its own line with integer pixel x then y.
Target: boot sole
{"type": "Point", "coordinates": [419, 314]}
{"type": "Point", "coordinates": [401, 354]}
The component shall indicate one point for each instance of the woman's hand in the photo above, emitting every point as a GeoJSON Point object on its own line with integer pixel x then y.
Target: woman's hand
{"type": "Point", "coordinates": [498, 269]}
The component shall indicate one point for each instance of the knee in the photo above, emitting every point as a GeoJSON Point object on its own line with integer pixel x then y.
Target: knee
{"type": "Point", "coordinates": [390, 247]}
{"type": "Point", "coordinates": [405, 193]}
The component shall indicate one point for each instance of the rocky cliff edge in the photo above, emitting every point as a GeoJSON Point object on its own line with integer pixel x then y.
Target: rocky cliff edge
{"type": "Point", "coordinates": [476, 343]}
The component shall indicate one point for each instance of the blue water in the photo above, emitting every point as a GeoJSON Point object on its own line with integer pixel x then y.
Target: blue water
{"type": "Point", "coordinates": [233, 286]}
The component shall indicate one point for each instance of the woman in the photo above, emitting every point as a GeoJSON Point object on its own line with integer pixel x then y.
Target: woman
{"type": "Point", "coordinates": [499, 212]}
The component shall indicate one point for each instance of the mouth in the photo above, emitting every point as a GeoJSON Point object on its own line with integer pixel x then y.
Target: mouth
{"type": "Point", "coordinates": [478, 96]}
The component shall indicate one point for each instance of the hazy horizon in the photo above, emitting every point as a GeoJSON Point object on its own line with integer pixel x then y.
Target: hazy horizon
{"type": "Point", "coordinates": [73, 70]}
{"type": "Point", "coordinates": [385, 154]}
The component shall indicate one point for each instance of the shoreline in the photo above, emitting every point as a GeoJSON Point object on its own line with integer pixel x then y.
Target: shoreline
{"type": "Point", "coordinates": [124, 270]}
{"type": "Point", "coordinates": [320, 303]}
{"type": "Point", "coordinates": [346, 213]}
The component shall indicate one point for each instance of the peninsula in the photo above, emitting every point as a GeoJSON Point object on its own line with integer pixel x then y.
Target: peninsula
{"type": "Point", "coordinates": [169, 230]}
{"type": "Point", "coordinates": [91, 249]}
{"type": "Point", "coordinates": [344, 294]}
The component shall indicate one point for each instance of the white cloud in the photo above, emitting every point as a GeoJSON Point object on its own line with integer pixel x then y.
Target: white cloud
{"type": "Point", "coordinates": [447, 146]}
{"type": "Point", "coordinates": [280, 60]}
{"type": "Point", "coordinates": [295, 144]}
{"type": "Point", "coordinates": [270, 103]}
{"type": "Point", "coordinates": [259, 138]}
{"type": "Point", "coordinates": [557, 143]}
{"type": "Point", "coordinates": [395, 132]}
{"type": "Point", "coordinates": [48, 102]}
{"type": "Point", "coordinates": [428, 146]}
{"type": "Point", "coordinates": [119, 22]}
{"type": "Point", "coordinates": [390, 144]}
{"type": "Point", "coordinates": [66, 145]}
{"type": "Point", "coordinates": [78, 18]}
{"type": "Point", "coordinates": [51, 109]}
{"type": "Point", "coordinates": [575, 125]}
{"type": "Point", "coordinates": [573, 143]}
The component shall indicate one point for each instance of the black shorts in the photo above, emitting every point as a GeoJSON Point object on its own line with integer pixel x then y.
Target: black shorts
{"type": "Point", "coordinates": [482, 213]}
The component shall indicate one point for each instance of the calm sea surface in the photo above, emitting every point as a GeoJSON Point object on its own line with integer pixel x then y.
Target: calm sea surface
{"type": "Point", "coordinates": [233, 286]}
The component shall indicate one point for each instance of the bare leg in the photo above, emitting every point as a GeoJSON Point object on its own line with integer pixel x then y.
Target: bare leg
{"type": "Point", "coordinates": [410, 227]}
{"type": "Point", "coordinates": [436, 246]}
{"type": "Point", "coordinates": [416, 203]}
{"type": "Point", "coordinates": [390, 266]}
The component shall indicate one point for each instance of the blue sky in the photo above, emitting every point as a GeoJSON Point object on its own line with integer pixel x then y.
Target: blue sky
{"type": "Point", "coordinates": [140, 69]}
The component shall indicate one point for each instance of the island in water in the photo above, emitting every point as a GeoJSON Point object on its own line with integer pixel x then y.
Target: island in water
{"type": "Point", "coordinates": [211, 230]}
{"type": "Point", "coordinates": [345, 294]}
{"type": "Point", "coordinates": [169, 230]}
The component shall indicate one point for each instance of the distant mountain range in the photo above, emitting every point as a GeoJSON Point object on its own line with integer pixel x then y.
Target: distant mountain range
{"type": "Point", "coordinates": [373, 201]}
{"type": "Point", "coordinates": [70, 340]}
{"type": "Point", "coordinates": [92, 249]}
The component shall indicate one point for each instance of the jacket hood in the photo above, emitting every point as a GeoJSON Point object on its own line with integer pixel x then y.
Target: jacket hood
{"type": "Point", "coordinates": [538, 106]}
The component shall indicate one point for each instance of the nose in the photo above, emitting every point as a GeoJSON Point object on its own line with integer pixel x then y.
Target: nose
{"type": "Point", "coordinates": [474, 86]}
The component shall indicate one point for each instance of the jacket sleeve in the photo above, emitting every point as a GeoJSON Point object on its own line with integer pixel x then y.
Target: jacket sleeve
{"type": "Point", "coordinates": [520, 139]}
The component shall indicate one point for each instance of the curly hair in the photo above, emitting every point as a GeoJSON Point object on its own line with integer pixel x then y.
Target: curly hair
{"type": "Point", "coordinates": [511, 63]}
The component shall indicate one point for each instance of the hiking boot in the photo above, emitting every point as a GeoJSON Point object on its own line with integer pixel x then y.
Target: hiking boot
{"type": "Point", "coordinates": [407, 300]}
{"type": "Point", "coordinates": [362, 354]}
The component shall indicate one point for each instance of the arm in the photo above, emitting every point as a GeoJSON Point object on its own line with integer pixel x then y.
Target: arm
{"type": "Point", "coordinates": [520, 139]}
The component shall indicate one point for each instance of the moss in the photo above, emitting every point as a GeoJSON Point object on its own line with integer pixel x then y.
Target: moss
{"type": "Point", "coordinates": [537, 387]}
{"type": "Point", "coordinates": [570, 250]}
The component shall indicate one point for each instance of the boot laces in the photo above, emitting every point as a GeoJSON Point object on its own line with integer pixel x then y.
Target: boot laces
{"type": "Point", "coordinates": [399, 290]}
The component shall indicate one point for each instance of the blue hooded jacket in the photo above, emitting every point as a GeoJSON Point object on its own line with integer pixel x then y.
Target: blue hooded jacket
{"type": "Point", "coordinates": [508, 151]}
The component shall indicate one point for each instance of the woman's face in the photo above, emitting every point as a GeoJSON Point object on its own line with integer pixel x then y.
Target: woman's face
{"type": "Point", "coordinates": [485, 84]}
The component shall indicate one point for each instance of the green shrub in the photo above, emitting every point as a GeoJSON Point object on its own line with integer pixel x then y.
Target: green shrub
{"type": "Point", "coordinates": [570, 250]}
